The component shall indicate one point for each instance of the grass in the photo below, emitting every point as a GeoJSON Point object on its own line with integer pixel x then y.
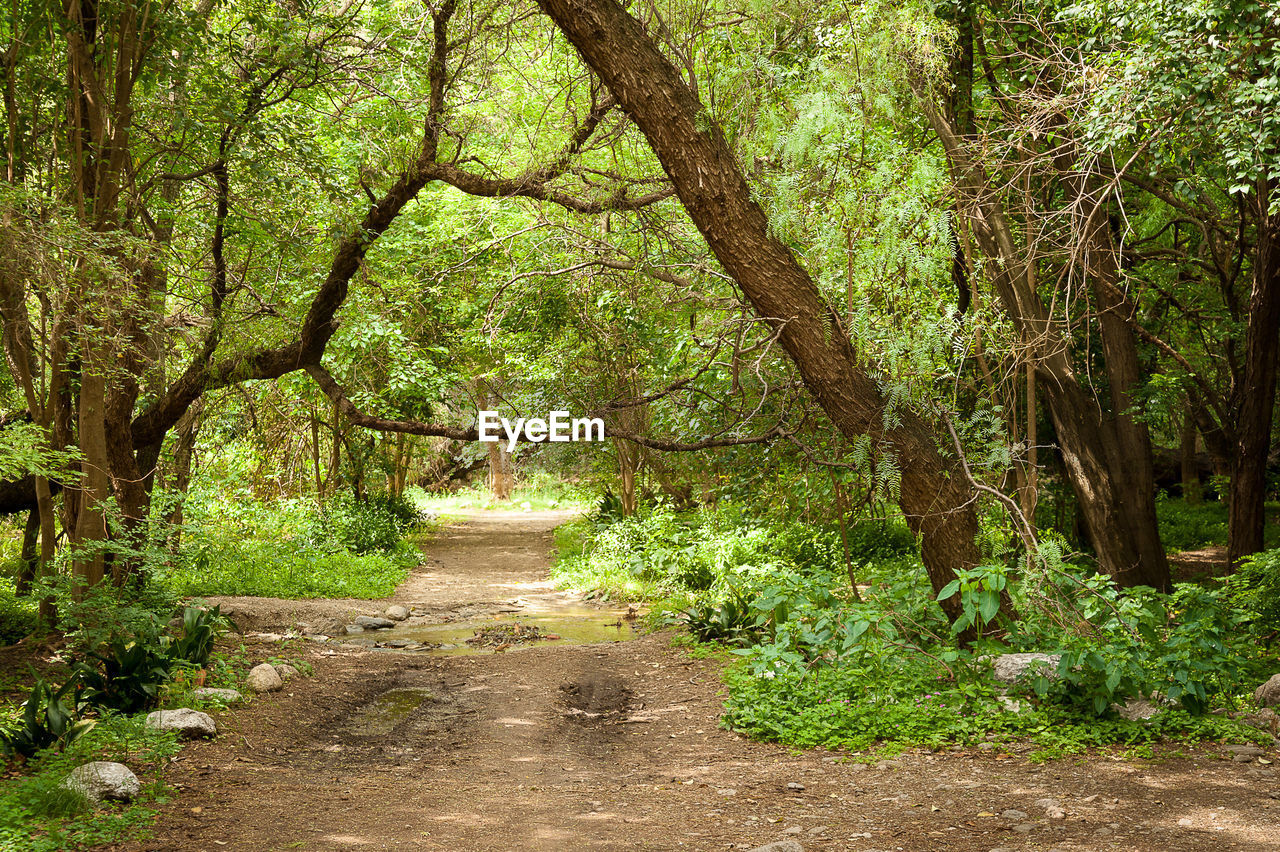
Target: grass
{"type": "Point", "coordinates": [37, 815]}
{"type": "Point", "coordinates": [268, 569]}
{"type": "Point", "coordinates": [541, 493]}
{"type": "Point", "coordinates": [294, 549]}
{"type": "Point", "coordinates": [574, 567]}
{"type": "Point", "coordinates": [19, 616]}
{"type": "Point", "coordinates": [1184, 526]}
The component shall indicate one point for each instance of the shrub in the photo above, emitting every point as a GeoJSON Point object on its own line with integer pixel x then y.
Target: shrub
{"type": "Point", "coordinates": [126, 673]}
{"type": "Point", "coordinates": [48, 718]}
{"type": "Point", "coordinates": [19, 616]}
{"type": "Point", "coordinates": [1190, 527]}
{"type": "Point", "coordinates": [375, 524]}
{"type": "Point", "coordinates": [200, 628]}
{"type": "Point", "coordinates": [1255, 589]}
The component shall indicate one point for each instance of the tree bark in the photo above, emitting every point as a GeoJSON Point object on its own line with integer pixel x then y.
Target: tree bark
{"type": "Point", "coordinates": [30, 557]}
{"type": "Point", "coordinates": [1107, 453]}
{"type": "Point", "coordinates": [1256, 397]}
{"type": "Point", "coordinates": [936, 500]}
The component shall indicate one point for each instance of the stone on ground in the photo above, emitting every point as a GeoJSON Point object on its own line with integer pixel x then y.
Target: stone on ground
{"type": "Point", "coordinates": [230, 696]}
{"type": "Point", "coordinates": [373, 622]}
{"type": "Point", "coordinates": [780, 846]}
{"type": "Point", "coordinates": [189, 723]}
{"type": "Point", "coordinates": [1244, 753]}
{"type": "Point", "coordinates": [1010, 668]}
{"type": "Point", "coordinates": [1268, 695]}
{"type": "Point", "coordinates": [264, 678]}
{"type": "Point", "coordinates": [395, 612]}
{"type": "Point", "coordinates": [1137, 709]}
{"type": "Point", "coordinates": [104, 780]}
{"type": "Point", "coordinates": [325, 627]}
{"type": "Point", "coordinates": [285, 670]}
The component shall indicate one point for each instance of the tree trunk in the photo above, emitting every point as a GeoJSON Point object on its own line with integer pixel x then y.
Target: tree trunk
{"type": "Point", "coordinates": [934, 496]}
{"type": "Point", "coordinates": [500, 471]}
{"type": "Point", "coordinates": [1030, 492]}
{"type": "Point", "coordinates": [90, 531]}
{"type": "Point", "coordinates": [628, 473]}
{"type": "Point", "coordinates": [30, 558]}
{"type": "Point", "coordinates": [1256, 398]}
{"type": "Point", "coordinates": [1127, 442]}
{"type": "Point", "coordinates": [1107, 453]}
{"type": "Point", "coordinates": [183, 452]}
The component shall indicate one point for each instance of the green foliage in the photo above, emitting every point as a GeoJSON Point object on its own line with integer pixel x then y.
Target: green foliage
{"type": "Point", "coordinates": [201, 627]}
{"type": "Point", "coordinates": [291, 549]}
{"type": "Point", "coordinates": [1186, 526]}
{"type": "Point", "coordinates": [1255, 590]}
{"type": "Point", "coordinates": [1186, 647]}
{"type": "Point", "coordinates": [265, 570]}
{"type": "Point", "coordinates": [126, 672]}
{"type": "Point", "coordinates": [731, 621]}
{"type": "Point", "coordinates": [913, 702]}
{"type": "Point", "coordinates": [980, 590]}
{"type": "Point", "coordinates": [38, 815]}
{"type": "Point", "coordinates": [660, 553]}
{"type": "Point", "coordinates": [375, 524]}
{"type": "Point", "coordinates": [19, 616]}
{"type": "Point", "coordinates": [24, 450]}
{"type": "Point", "coordinates": [49, 717]}
{"type": "Point", "coordinates": [819, 667]}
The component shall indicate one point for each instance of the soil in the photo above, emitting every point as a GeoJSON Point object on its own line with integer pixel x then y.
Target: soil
{"type": "Point", "coordinates": [1195, 566]}
{"type": "Point", "coordinates": [617, 746]}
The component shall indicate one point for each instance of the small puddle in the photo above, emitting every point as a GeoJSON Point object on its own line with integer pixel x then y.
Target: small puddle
{"type": "Point", "coordinates": [381, 715]}
{"type": "Point", "coordinates": [572, 624]}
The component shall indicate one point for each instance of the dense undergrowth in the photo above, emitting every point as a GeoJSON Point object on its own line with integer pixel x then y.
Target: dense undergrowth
{"type": "Point", "coordinates": [294, 548]}
{"type": "Point", "coordinates": [1192, 526]}
{"type": "Point", "coordinates": [125, 652]}
{"type": "Point", "coordinates": [537, 490]}
{"type": "Point", "coordinates": [122, 655]}
{"type": "Point", "coordinates": [818, 664]}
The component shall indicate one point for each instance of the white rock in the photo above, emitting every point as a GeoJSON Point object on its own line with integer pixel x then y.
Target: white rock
{"type": "Point", "coordinates": [229, 696]}
{"type": "Point", "coordinates": [285, 670]}
{"type": "Point", "coordinates": [264, 678]}
{"type": "Point", "coordinates": [1268, 695]}
{"type": "Point", "coordinates": [1010, 668]}
{"type": "Point", "coordinates": [395, 612]}
{"type": "Point", "coordinates": [189, 723]}
{"type": "Point", "coordinates": [1137, 709]}
{"type": "Point", "coordinates": [104, 780]}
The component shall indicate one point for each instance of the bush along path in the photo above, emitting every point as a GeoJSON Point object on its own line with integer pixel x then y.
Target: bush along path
{"type": "Point", "coordinates": [553, 745]}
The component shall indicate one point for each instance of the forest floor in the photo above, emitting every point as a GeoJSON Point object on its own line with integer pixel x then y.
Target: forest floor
{"type": "Point", "coordinates": [617, 746]}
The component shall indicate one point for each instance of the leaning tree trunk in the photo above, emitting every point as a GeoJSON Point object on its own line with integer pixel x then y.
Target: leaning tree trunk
{"type": "Point", "coordinates": [935, 496]}
{"type": "Point", "coordinates": [1256, 398]}
{"type": "Point", "coordinates": [1107, 454]}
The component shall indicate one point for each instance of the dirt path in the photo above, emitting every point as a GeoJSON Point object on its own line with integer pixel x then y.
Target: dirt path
{"type": "Point", "coordinates": [616, 746]}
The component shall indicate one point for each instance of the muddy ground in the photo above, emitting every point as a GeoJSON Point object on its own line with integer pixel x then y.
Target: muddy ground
{"type": "Point", "coordinates": [617, 746]}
